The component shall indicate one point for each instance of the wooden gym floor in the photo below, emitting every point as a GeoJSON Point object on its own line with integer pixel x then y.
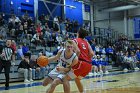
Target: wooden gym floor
{"type": "Point", "coordinates": [115, 82]}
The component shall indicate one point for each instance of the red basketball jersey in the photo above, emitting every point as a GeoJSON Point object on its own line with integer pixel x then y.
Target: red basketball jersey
{"type": "Point", "coordinates": [84, 51]}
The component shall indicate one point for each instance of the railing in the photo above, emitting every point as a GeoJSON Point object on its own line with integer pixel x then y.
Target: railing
{"type": "Point", "coordinates": [106, 36]}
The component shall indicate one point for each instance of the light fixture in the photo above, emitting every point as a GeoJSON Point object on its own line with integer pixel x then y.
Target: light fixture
{"type": "Point", "coordinates": [78, 1]}
{"type": "Point", "coordinates": [70, 6]}
{"type": "Point", "coordinates": [12, 3]}
{"type": "Point", "coordinates": [27, 0]}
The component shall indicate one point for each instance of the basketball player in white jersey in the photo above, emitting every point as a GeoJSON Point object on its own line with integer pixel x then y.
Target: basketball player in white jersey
{"type": "Point", "coordinates": [66, 59]}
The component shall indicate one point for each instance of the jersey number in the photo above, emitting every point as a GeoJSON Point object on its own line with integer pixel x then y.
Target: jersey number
{"type": "Point", "coordinates": [83, 46]}
{"type": "Point", "coordinates": [64, 64]}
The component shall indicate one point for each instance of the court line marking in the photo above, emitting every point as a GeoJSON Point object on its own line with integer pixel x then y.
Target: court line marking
{"type": "Point", "coordinates": [40, 83]}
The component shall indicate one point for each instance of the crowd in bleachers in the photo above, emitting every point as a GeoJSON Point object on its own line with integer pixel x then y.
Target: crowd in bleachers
{"type": "Point", "coordinates": [26, 34]}
{"type": "Point", "coordinates": [121, 53]}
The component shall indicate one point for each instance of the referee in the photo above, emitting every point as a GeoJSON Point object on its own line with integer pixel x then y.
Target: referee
{"type": "Point", "coordinates": [6, 56]}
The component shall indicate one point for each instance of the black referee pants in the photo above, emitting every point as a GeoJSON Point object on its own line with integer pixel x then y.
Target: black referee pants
{"type": "Point", "coordinates": [6, 65]}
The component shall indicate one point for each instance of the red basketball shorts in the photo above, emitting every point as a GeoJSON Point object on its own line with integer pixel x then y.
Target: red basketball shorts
{"type": "Point", "coordinates": [82, 68]}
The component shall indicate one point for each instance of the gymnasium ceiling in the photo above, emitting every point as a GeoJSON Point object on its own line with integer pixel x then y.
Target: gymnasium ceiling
{"type": "Point", "coordinates": [114, 5]}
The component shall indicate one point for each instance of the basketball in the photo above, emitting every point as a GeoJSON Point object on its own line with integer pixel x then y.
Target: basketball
{"type": "Point", "coordinates": [42, 61]}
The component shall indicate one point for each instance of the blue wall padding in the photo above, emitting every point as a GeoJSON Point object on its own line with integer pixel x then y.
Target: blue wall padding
{"type": "Point", "coordinates": [43, 10]}
{"type": "Point", "coordinates": [18, 7]}
{"type": "Point", "coordinates": [76, 13]}
{"type": "Point", "coordinates": [137, 28]}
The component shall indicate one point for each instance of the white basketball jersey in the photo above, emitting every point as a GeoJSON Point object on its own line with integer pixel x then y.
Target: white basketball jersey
{"type": "Point", "coordinates": [66, 62]}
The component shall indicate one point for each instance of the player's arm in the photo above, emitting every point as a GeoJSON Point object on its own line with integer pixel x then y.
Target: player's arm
{"type": "Point", "coordinates": [56, 57]}
{"type": "Point", "coordinates": [76, 49]}
{"type": "Point", "coordinates": [63, 69]}
{"type": "Point", "coordinates": [59, 68]}
{"type": "Point", "coordinates": [75, 61]}
{"type": "Point", "coordinates": [91, 53]}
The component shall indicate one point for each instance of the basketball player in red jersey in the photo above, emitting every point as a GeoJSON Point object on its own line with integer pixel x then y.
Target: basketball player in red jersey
{"type": "Point", "coordinates": [85, 53]}
{"type": "Point", "coordinates": [84, 65]}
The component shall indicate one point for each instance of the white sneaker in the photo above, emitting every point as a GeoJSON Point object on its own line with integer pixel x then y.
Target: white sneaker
{"type": "Point", "coordinates": [136, 69]}
{"type": "Point", "coordinates": [101, 72]}
{"type": "Point", "coordinates": [106, 72]}
{"type": "Point", "coordinates": [125, 70]}
{"type": "Point", "coordinates": [90, 74]}
{"type": "Point", "coordinates": [98, 73]}
{"type": "Point", "coordinates": [94, 74]}
{"type": "Point", "coordinates": [26, 81]}
{"type": "Point", "coordinates": [31, 80]}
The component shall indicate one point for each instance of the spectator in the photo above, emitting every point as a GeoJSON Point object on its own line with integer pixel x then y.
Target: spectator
{"type": "Point", "coordinates": [59, 39]}
{"type": "Point", "coordinates": [25, 48]}
{"type": "Point", "coordinates": [36, 40]}
{"type": "Point", "coordinates": [134, 61]}
{"type": "Point", "coordinates": [37, 71]}
{"type": "Point", "coordinates": [138, 57]}
{"type": "Point", "coordinates": [20, 52]}
{"type": "Point", "coordinates": [25, 68]}
{"type": "Point", "coordinates": [1, 20]}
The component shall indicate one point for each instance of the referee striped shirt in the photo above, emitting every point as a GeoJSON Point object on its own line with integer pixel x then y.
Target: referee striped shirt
{"type": "Point", "coordinates": [8, 52]}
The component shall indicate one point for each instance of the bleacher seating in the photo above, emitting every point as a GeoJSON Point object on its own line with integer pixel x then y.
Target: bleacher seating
{"type": "Point", "coordinates": [16, 77]}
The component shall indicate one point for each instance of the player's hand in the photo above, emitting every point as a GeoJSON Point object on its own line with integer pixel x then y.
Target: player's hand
{"type": "Point", "coordinates": [58, 68]}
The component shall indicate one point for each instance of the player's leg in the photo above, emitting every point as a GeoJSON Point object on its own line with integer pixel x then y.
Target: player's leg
{"type": "Point", "coordinates": [47, 81]}
{"type": "Point", "coordinates": [61, 79]}
{"type": "Point", "coordinates": [79, 85]}
{"type": "Point", "coordinates": [81, 72]}
{"type": "Point", "coordinates": [51, 88]}
{"type": "Point", "coordinates": [66, 86]}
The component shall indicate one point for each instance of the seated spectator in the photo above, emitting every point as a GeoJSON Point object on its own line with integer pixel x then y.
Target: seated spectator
{"type": "Point", "coordinates": [109, 53]}
{"type": "Point", "coordinates": [38, 29]}
{"type": "Point", "coordinates": [58, 48]}
{"type": "Point", "coordinates": [119, 58]}
{"type": "Point", "coordinates": [59, 39]}
{"type": "Point", "coordinates": [41, 38]}
{"type": "Point", "coordinates": [53, 40]}
{"type": "Point", "coordinates": [13, 46]}
{"type": "Point", "coordinates": [126, 62]}
{"type": "Point", "coordinates": [25, 68]}
{"type": "Point", "coordinates": [19, 52]}
{"type": "Point", "coordinates": [104, 64]}
{"type": "Point", "coordinates": [1, 20]}
{"type": "Point", "coordinates": [97, 65]}
{"type": "Point", "coordinates": [103, 51]}
{"type": "Point", "coordinates": [138, 57]}
{"type": "Point", "coordinates": [37, 71]}
{"type": "Point", "coordinates": [3, 32]}
{"type": "Point", "coordinates": [134, 61]}
{"type": "Point", "coordinates": [130, 62]}
{"type": "Point", "coordinates": [25, 49]}
{"type": "Point", "coordinates": [97, 49]}
{"type": "Point", "coordinates": [2, 42]}
{"type": "Point", "coordinates": [36, 40]}
{"type": "Point", "coordinates": [93, 43]}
